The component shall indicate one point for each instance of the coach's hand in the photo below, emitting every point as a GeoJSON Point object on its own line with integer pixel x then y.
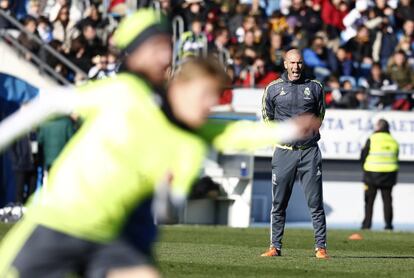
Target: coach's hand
{"type": "Point", "coordinates": [297, 128]}
{"type": "Point", "coordinates": [307, 125]}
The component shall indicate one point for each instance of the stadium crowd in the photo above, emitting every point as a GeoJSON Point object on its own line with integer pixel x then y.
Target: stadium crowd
{"type": "Point", "coordinates": [358, 48]}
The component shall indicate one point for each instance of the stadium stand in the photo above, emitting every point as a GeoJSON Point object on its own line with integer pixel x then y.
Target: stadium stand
{"type": "Point", "coordinates": [362, 49]}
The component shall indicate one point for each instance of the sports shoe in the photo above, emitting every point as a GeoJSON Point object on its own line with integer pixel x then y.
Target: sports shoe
{"type": "Point", "coordinates": [320, 253]}
{"type": "Point", "coordinates": [272, 252]}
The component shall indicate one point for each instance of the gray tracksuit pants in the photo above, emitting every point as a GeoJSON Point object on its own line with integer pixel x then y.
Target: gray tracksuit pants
{"type": "Point", "coordinates": [307, 165]}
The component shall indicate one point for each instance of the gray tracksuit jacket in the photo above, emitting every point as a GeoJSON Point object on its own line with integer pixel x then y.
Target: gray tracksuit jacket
{"type": "Point", "coordinates": [284, 99]}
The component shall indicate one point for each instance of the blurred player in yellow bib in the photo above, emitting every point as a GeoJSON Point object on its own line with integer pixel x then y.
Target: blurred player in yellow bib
{"type": "Point", "coordinates": [93, 218]}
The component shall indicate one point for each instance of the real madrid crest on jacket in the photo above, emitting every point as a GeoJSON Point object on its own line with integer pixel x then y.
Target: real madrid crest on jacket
{"type": "Point", "coordinates": [289, 99]}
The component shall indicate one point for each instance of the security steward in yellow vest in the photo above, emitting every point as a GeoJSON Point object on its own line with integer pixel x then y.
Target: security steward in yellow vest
{"type": "Point", "coordinates": [379, 158]}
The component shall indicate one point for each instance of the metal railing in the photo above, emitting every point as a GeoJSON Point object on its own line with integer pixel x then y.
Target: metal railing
{"type": "Point", "coordinates": [370, 91]}
{"type": "Point", "coordinates": [204, 50]}
{"type": "Point", "coordinates": [224, 56]}
{"type": "Point", "coordinates": [43, 66]}
{"type": "Point", "coordinates": [177, 30]}
{"type": "Point", "coordinates": [44, 48]}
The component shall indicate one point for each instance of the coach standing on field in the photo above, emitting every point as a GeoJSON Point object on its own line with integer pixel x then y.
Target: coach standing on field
{"type": "Point", "coordinates": [285, 98]}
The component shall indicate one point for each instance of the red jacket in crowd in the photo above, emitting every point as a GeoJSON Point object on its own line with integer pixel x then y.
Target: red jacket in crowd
{"type": "Point", "coordinates": [331, 15]}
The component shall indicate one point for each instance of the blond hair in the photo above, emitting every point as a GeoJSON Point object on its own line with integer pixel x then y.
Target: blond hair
{"type": "Point", "coordinates": [196, 67]}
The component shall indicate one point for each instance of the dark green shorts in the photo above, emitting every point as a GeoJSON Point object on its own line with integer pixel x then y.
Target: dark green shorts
{"type": "Point", "coordinates": [47, 253]}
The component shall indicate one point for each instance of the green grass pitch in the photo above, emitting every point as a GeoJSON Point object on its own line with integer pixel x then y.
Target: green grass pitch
{"type": "Point", "coordinates": [199, 251]}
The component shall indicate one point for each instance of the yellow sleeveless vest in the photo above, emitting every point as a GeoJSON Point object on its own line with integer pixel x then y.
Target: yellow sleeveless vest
{"type": "Point", "coordinates": [383, 153]}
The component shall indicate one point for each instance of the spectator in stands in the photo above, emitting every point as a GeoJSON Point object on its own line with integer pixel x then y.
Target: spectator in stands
{"type": "Point", "coordinates": [344, 63]}
{"type": "Point", "coordinates": [256, 8]}
{"type": "Point", "coordinates": [400, 72]}
{"type": "Point", "coordinates": [258, 76]}
{"type": "Point", "coordinates": [220, 15]}
{"type": "Point", "coordinates": [383, 9]}
{"type": "Point", "coordinates": [5, 6]}
{"type": "Point", "coordinates": [354, 20]}
{"type": "Point", "coordinates": [193, 42]}
{"type": "Point", "coordinates": [295, 36]}
{"type": "Point", "coordinates": [44, 29]}
{"type": "Point", "coordinates": [218, 46]}
{"type": "Point", "coordinates": [404, 11]}
{"type": "Point", "coordinates": [278, 23]}
{"type": "Point", "coordinates": [259, 39]}
{"type": "Point", "coordinates": [112, 63]}
{"type": "Point", "coordinates": [93, 45]}
{"type": "Point", "coordinates": [308, 16]}
{"type": "Point", "coordinates": [408, 30]}
{"type": "Point", "coordinates": [94, 18]}
{"type": "Point", "coordinates": [385, 43]}
{"type": "Point", "coordinates": [237, 20]}
{"type": "Point", "coordinates": [275, 52]}
{"type": "Point", "coordinates": [374, 19]}
{"type": "Point", "coordinates": [63, 27]}
{"type": "Point", "coordinates": [347, 85]}
{"type": "Point", "coordinates": [347, 97]}
{"type": "Point", "coordinates": [353, 99]}
{"type": "Point", "coordinates": [368, 32]}
{"type": "Point", "coordinates": [333, 95]}
{"type": "Point", "coordinates": [238, 67]}
{"type": "Point", "coordinates": [33, 9]}
{"type": "Point", "coordinates": [100, 70]}
{"type": "Point", "coordinates": [406, 41]}
{"type": "Point", "coordinates": [319, 59]}
{"type": "Point", "coordinates": [26, 39]}
{"type": "Point", "coordinates": [191, 10]}
{"type": "Point", "coordinates": [377, 79]}
{"type": "Point", "coordinates": [165, 6]}
{"type": "Point", "coordinates": [52, 138]}
{"type": "Point", "coordinates": [77, 55]}
{"type": "Point", "coordinates": [250, 49]}
{"type": "Point", "coordinates": [54, 62]}
{"type": "Point", "coordinates": [209, 30]}
{"type": "Point", "coordinates": [332, 14]}
{"type": "Point", "coordinates": [249, 22]}
{"type": "Point", "coordinates": [376, 82]}
{"type": "Point", "coordinates": [360, 46]}
{"type": "Point", "coordinates": [75, 9]}
{"type": "Point", "coordinates": [296, 10]}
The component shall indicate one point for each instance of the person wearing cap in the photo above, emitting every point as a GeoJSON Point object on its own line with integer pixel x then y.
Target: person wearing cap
{"type": "Point", "coordinates": [136, 144]}
{"type": "Point", "coordinates": [105, 174]}
{"type": "Point", "coordinates": [192, 9]}
{"type": "Point", "coordinates": [379, 159]}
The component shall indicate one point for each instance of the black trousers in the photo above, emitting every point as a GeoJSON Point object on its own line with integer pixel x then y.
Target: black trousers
{"type": "Point", "coordinates": [370, 194]}
{"type": "Point", "coordinates": [23, 179]}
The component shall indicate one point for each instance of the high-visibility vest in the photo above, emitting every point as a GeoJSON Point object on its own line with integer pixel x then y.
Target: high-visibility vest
{"type": "Point", "coordinates": [383, 153]}
{"type": "Point", "coordinates": [190, 44]}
